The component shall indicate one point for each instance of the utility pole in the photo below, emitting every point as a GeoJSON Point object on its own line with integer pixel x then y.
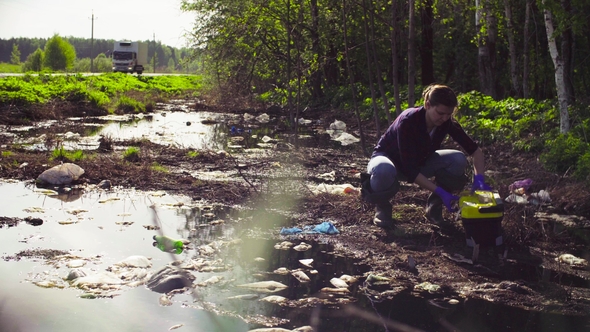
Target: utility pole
{"type": "Point", "coordinates": [92, 44]}
{"type": "Point", "coordinates": [154, 58]}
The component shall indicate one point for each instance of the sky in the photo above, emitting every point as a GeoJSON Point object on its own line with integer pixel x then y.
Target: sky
{"type": "Point", "coordinates": [113, 19]}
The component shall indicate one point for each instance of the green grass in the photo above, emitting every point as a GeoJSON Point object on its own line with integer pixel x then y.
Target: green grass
{"type": "Point", "coordinates": [10, 68]}
{"type": "Point", "coordinates": [107, 91]}
{"type": "Point", "coordinates": [131, 154]}
{"type": "Point", "coordinates": [159, 168]}
{"type": "Point", "coordinates": [192, 154]}
{"type": "Point", "coordinates": [65, 155]}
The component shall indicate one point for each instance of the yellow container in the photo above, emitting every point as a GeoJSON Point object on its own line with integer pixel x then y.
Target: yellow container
{"type": "Point", "coordinates": [481, 214]}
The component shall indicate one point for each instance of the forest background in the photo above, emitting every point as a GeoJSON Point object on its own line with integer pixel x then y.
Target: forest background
{"type": "Point", "coordinates": [519, 66]}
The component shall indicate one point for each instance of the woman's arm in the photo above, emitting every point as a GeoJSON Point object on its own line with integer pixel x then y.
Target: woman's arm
{"type": "Point", "coordinates": [478, 162]}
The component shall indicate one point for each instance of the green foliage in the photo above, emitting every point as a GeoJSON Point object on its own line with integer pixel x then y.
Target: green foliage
{"type": "Point", "coordinates": [15, 55]}
{"type": "Point", "coordinates": [490, 121]}
{"type": "Point", "coordinates": [562, 153]}
{"type": "Point", "coordinates": [6, 154]}
{"type": "Point", "coordinates": [582, 171]}
{"type": "Point", "coordinates": [192, 154]}
{"type": "Point", "coordinates": [34, 61]}
{"type": "Point", "coordinates": [65, 155]}
{"type": "Point", "coordinates": [114, 90]}
{"type": "Point", "coordinates": [159, 168]}
{"type": "Point", "coordinates": [129, 105]}
{"type": "Point", "coordinates": [59, 54]}
{"type": "Point", "coordinates": [10, 68]}
{"type": "Point", "coordinates": [131, 154]}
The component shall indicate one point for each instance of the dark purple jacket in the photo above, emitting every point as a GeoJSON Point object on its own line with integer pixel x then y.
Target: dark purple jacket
{"type": "Point", "coordinates": [408, 145]}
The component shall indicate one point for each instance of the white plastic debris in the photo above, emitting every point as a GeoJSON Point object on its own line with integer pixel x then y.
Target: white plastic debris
{"type": "Point", "coordinates": [571, 260]}
{"type": "Point", "coordinates": [330, 176]}
{"type": "Point", "coordinates": [335, 189]}
{"type": "Point", "coordinates": [338, 125]}
{"type": "Point", "coordinates": [346, 139]}
{"type": "Point", "coordinates": [263, 118]}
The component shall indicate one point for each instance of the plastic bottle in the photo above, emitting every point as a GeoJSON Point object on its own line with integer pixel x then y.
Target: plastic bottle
{"type": "Point", "coordinates": [168, 244]}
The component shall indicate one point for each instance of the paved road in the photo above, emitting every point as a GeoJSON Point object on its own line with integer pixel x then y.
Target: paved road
{"type": "Point", "coordinates": [90, 74]}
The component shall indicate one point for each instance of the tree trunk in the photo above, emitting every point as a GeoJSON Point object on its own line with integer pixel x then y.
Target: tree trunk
{"type": "Point", "coordinates": [525, 51]}
{"type": "Point", "coordinates": [378, 67]}
{"type": "Point", "coordinates": [427, 43]}
{"type": "Point", "coordinates": [411, 54]}
{"type": "Point", "coordinates": [351, 79]}
{"type": "Point", "coordinates": [394, 57]}
{"type": "Point", "coordinates": [564, 124]}
{"type": "Point", "coordinates": [567, 54]}
{"type": "Point", "coordinates": [289, 97]}
{"type": "Point", "coordinates": [369, 71]}
{"type": "Point", "coordinates": [316, 73]}
{"type": "Point", "coordinates": [486, 47]}
{"type": "Point", "coordinates": [512, 50]}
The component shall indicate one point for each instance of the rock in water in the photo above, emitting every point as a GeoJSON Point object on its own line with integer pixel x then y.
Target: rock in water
{"type": "Point", "coordinates": [168, 279]}
{"type": "Point", "coordinates": [61, 174]}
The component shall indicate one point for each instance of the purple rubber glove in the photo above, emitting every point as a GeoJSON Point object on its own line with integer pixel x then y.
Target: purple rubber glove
{"type": "Point", "coordinates": [447, 198]}
{"type": "Point", "coordinates": [479, 183]}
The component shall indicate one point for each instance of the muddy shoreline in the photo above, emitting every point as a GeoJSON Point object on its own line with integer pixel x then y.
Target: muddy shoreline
{"type": "Point", "coordinates": [411, 255]}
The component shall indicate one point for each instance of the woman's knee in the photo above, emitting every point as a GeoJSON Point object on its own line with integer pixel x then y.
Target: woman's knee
{"type": "Point", "coordinates": [458, 163]}
{"type": "Point", "coordinates": [383, 177]}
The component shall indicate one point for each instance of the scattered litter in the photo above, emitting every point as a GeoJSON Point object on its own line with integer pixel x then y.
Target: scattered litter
{"type": "Point", "coordinates": [35, 209]}
{"type": "Point", "coordinates": [335, 189]}
{"type": "Point", "coordinates": [537, 198]}
{"type": "Point", "coordinates": [330, 176]}
{"type": "Point", "coordinates": [264, 286]}
{"type": "Point", "coordinates": [301, 276]}
{"type": "Point", "coordinates": [333, 290]}
{"type": "Point", "coordinates": [302, 247]}
{"type": "Point", "coordinates": [521, 184]}
{"type": "Point", "coordinates": [274, 299]}
{"type": "Point", "coordinates": [324, 228]}
{"type": "Point", "coordinates": [426, 286]}
{"type": "Point", "coordinates": [458, 258]}
{"type": "Point", "coordinates": [571, 260]}
{"type": "Point", "coordinates": [306, 262]}
{"type": "Point", "coordinates": [338, 283]}
{"type": "Point", "coordinates": [373, 279]}
{"type": "Point", "coordinates": [338, 125]}
{"type": "Point", "coordinates": [346, 139]}
{"type": "Point", "coordinates": [285, 245]}
{"type": "Point", "coordinates": [109, 199]}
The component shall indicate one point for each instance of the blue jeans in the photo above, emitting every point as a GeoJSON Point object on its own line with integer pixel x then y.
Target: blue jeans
{"type": "Point", "coordinates": [384, 174]}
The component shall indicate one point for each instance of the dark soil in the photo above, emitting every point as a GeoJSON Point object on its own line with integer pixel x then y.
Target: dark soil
{"type": "Point", "coordinates": [265, 182]}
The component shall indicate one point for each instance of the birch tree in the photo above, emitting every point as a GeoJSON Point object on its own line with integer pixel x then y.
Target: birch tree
{"type": "Point", "coordinates": [564, 123]}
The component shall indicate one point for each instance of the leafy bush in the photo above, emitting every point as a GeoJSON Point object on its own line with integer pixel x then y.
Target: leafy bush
{"type": "Point", "coordinates": [563, 153]}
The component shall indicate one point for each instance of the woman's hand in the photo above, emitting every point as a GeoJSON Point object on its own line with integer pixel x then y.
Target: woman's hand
{"type": "Point", "coordinates": [479, 183]}
{"type": "Point", "coordinates": [447, 198]}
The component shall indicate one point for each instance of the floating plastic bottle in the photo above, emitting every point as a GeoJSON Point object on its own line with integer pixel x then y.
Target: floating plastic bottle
{"type": "Point", "coordinates": [168, 244]}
